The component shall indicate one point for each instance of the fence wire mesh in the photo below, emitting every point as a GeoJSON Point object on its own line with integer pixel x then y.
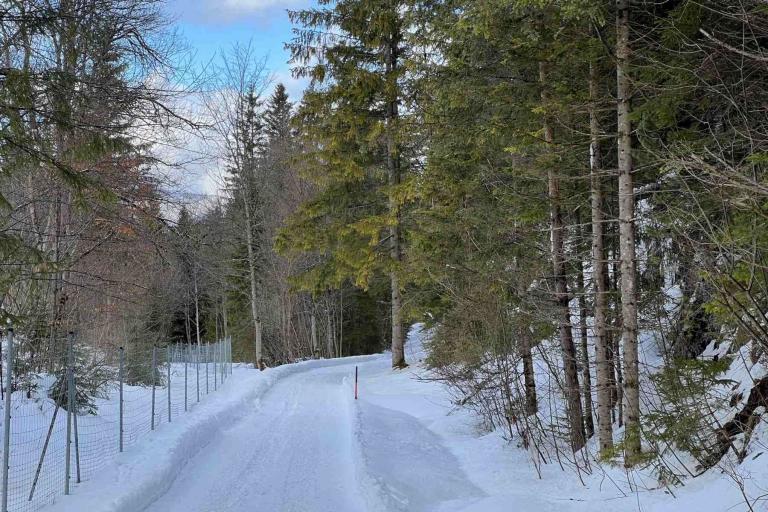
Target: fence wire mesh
{"type": "Point", "coordinates": [73, 408]}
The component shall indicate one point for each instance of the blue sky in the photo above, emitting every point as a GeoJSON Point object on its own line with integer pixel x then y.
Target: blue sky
{"type": "Point", "coordinates": [211, 25]}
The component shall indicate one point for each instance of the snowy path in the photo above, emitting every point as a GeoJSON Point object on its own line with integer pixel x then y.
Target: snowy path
{"type": "Point", "coordinates": [307, 446]}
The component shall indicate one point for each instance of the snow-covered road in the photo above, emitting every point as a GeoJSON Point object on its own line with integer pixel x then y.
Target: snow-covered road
{"type": "Point", "coordinates": [306, 445]}
{"type": "Point", "coordinates": [293, 451]}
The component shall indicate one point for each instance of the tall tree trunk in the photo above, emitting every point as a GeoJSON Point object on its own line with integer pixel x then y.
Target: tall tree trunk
{"type": "Point", "coordinates": [313, 335]}
{"type": "Point", "coordinates": [187, 326]}
{"type": "Point", "coordinates": [253, 281]}
{"type": "Point", "coordinates": [197, 310]}
{"type": "Point", "coordinates": [599, 276]}
{"type": "Point", "coordinates": [393, 167]}
{"type": "Point", "coordinates": [572, 391]}
{"type": "Point", "coordinates": [224, 318]}
{"type": "Point", "coordinates": [615, 341]}
{"type": "Point", "coordinates": [586, 378]}
{"type": "Point", "coordinates": [329, 333]}
{"type": "Point", "coordinates": [66, 57]}
{"type": "Point", "coordinates": [341, 321]}
{"type": "Point", "coordinates": [627, 238]}
{"type": "Point", "coordinates": [216, 322]}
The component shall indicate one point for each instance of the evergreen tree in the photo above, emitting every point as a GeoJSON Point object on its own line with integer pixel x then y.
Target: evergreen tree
{"type": "Point", "coordinates": [627, 234]}
{"type": "Point", "coordinates": [277, 115]}
{"type": "Point", "coordinates": [504, 135]}
{"type": "Point", "coordinates": [247, 172]}
{"type": "Point", "coordinates": [351, 117]}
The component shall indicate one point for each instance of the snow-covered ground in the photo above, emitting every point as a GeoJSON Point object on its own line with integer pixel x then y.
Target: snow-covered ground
{"type": "Point", "coordinates": [38, 428]}
{"type": "Point", "coordinates": [294, 439]}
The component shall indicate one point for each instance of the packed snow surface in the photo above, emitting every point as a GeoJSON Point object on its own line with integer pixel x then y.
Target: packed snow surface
{"type": "Point", "coordinates": [294, 438]}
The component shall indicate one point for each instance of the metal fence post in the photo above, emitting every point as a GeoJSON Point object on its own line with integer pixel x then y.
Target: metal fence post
{"type": "Point", "coordinates": [215, 367]}
{"type": "Point", "coordinates": [7, 424]}
{"type": "Point", "coordinates": [169, 384]}
{"type": "Point", "coordinates": [120, 371]}
{"type": "Point", "coordinates": [70, 405]}
{"type": "Point", "coordinates": [207, 354]}
{"type": "Point", "coordinates": [43, 452]}
{"type": "Point", "coordinates": [154, 384]}
{"type": "Point", "coordinates": [229, 348]}
{"type": "Point", "coordinates": [186, 364]}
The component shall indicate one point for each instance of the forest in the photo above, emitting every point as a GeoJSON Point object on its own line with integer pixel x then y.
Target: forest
{"type": "Point", "coordinates": [569, 192]}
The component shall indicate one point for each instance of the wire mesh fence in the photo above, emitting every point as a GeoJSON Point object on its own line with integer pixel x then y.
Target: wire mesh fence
{"type": "Point", "coordinates": [68, 409]}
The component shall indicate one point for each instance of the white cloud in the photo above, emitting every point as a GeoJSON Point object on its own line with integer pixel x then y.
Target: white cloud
{"type": "Point", "coordinates": [250, 5]}
{"type": "Point", "coordinates": [192, 162]}
{"type": "Point", "coordinates": [226, 11]}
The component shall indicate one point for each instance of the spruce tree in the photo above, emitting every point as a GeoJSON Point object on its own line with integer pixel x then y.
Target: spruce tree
{"type": "Point", "coordinates": [247, 171]}
{"type": "Point", "coordinates": [277, 115]}
{"type": "Point", "coordinates": [627, 234]}
{"type": "Point", "coordinates": [354, 52]}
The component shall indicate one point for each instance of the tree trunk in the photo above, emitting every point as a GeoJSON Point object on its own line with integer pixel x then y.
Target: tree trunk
{"type": "Point", "coordinates": [531, 401]}
{"type": "Point", "coordinates": [341, 321]}
{"type": "Point", "coordinates": [313, 334]}
{"type": "Point", "coordinates": [618, 390]}
{"type": "Point", "coordinates": [254, 283]}
{"type": "Point", "coordinates": [619, 377]}
{"type": "Point", "coordinates": [393, 167]}
{"type": "Point", "coordinates": [329, 333]}
{"type": "Point", "coordinates": [742, 423]}
{"type": "Point", "coordinates": [224, 319]}
{"type": "Point", "coordinates": [586, 378]}
{"type": "Point", "coordinates": [197, 309]}
{"type": "Point", "coordinates": [599, 276]}
{"type": "Point", "coordinates": [187, 326]}
{"type": "Point", "coordinates": [572, 394]}
{"type": "Point", "coordinates": [216, 322]}
{"type": "Point", "coordinates": [627, 238]}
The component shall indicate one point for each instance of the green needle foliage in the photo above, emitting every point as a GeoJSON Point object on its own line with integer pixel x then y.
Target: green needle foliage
{"type": "Point", "coordinates": [344, 122]}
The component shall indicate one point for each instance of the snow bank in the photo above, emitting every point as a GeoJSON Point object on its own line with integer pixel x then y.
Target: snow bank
{"type": "Point", "coordinates": [415, 473]}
